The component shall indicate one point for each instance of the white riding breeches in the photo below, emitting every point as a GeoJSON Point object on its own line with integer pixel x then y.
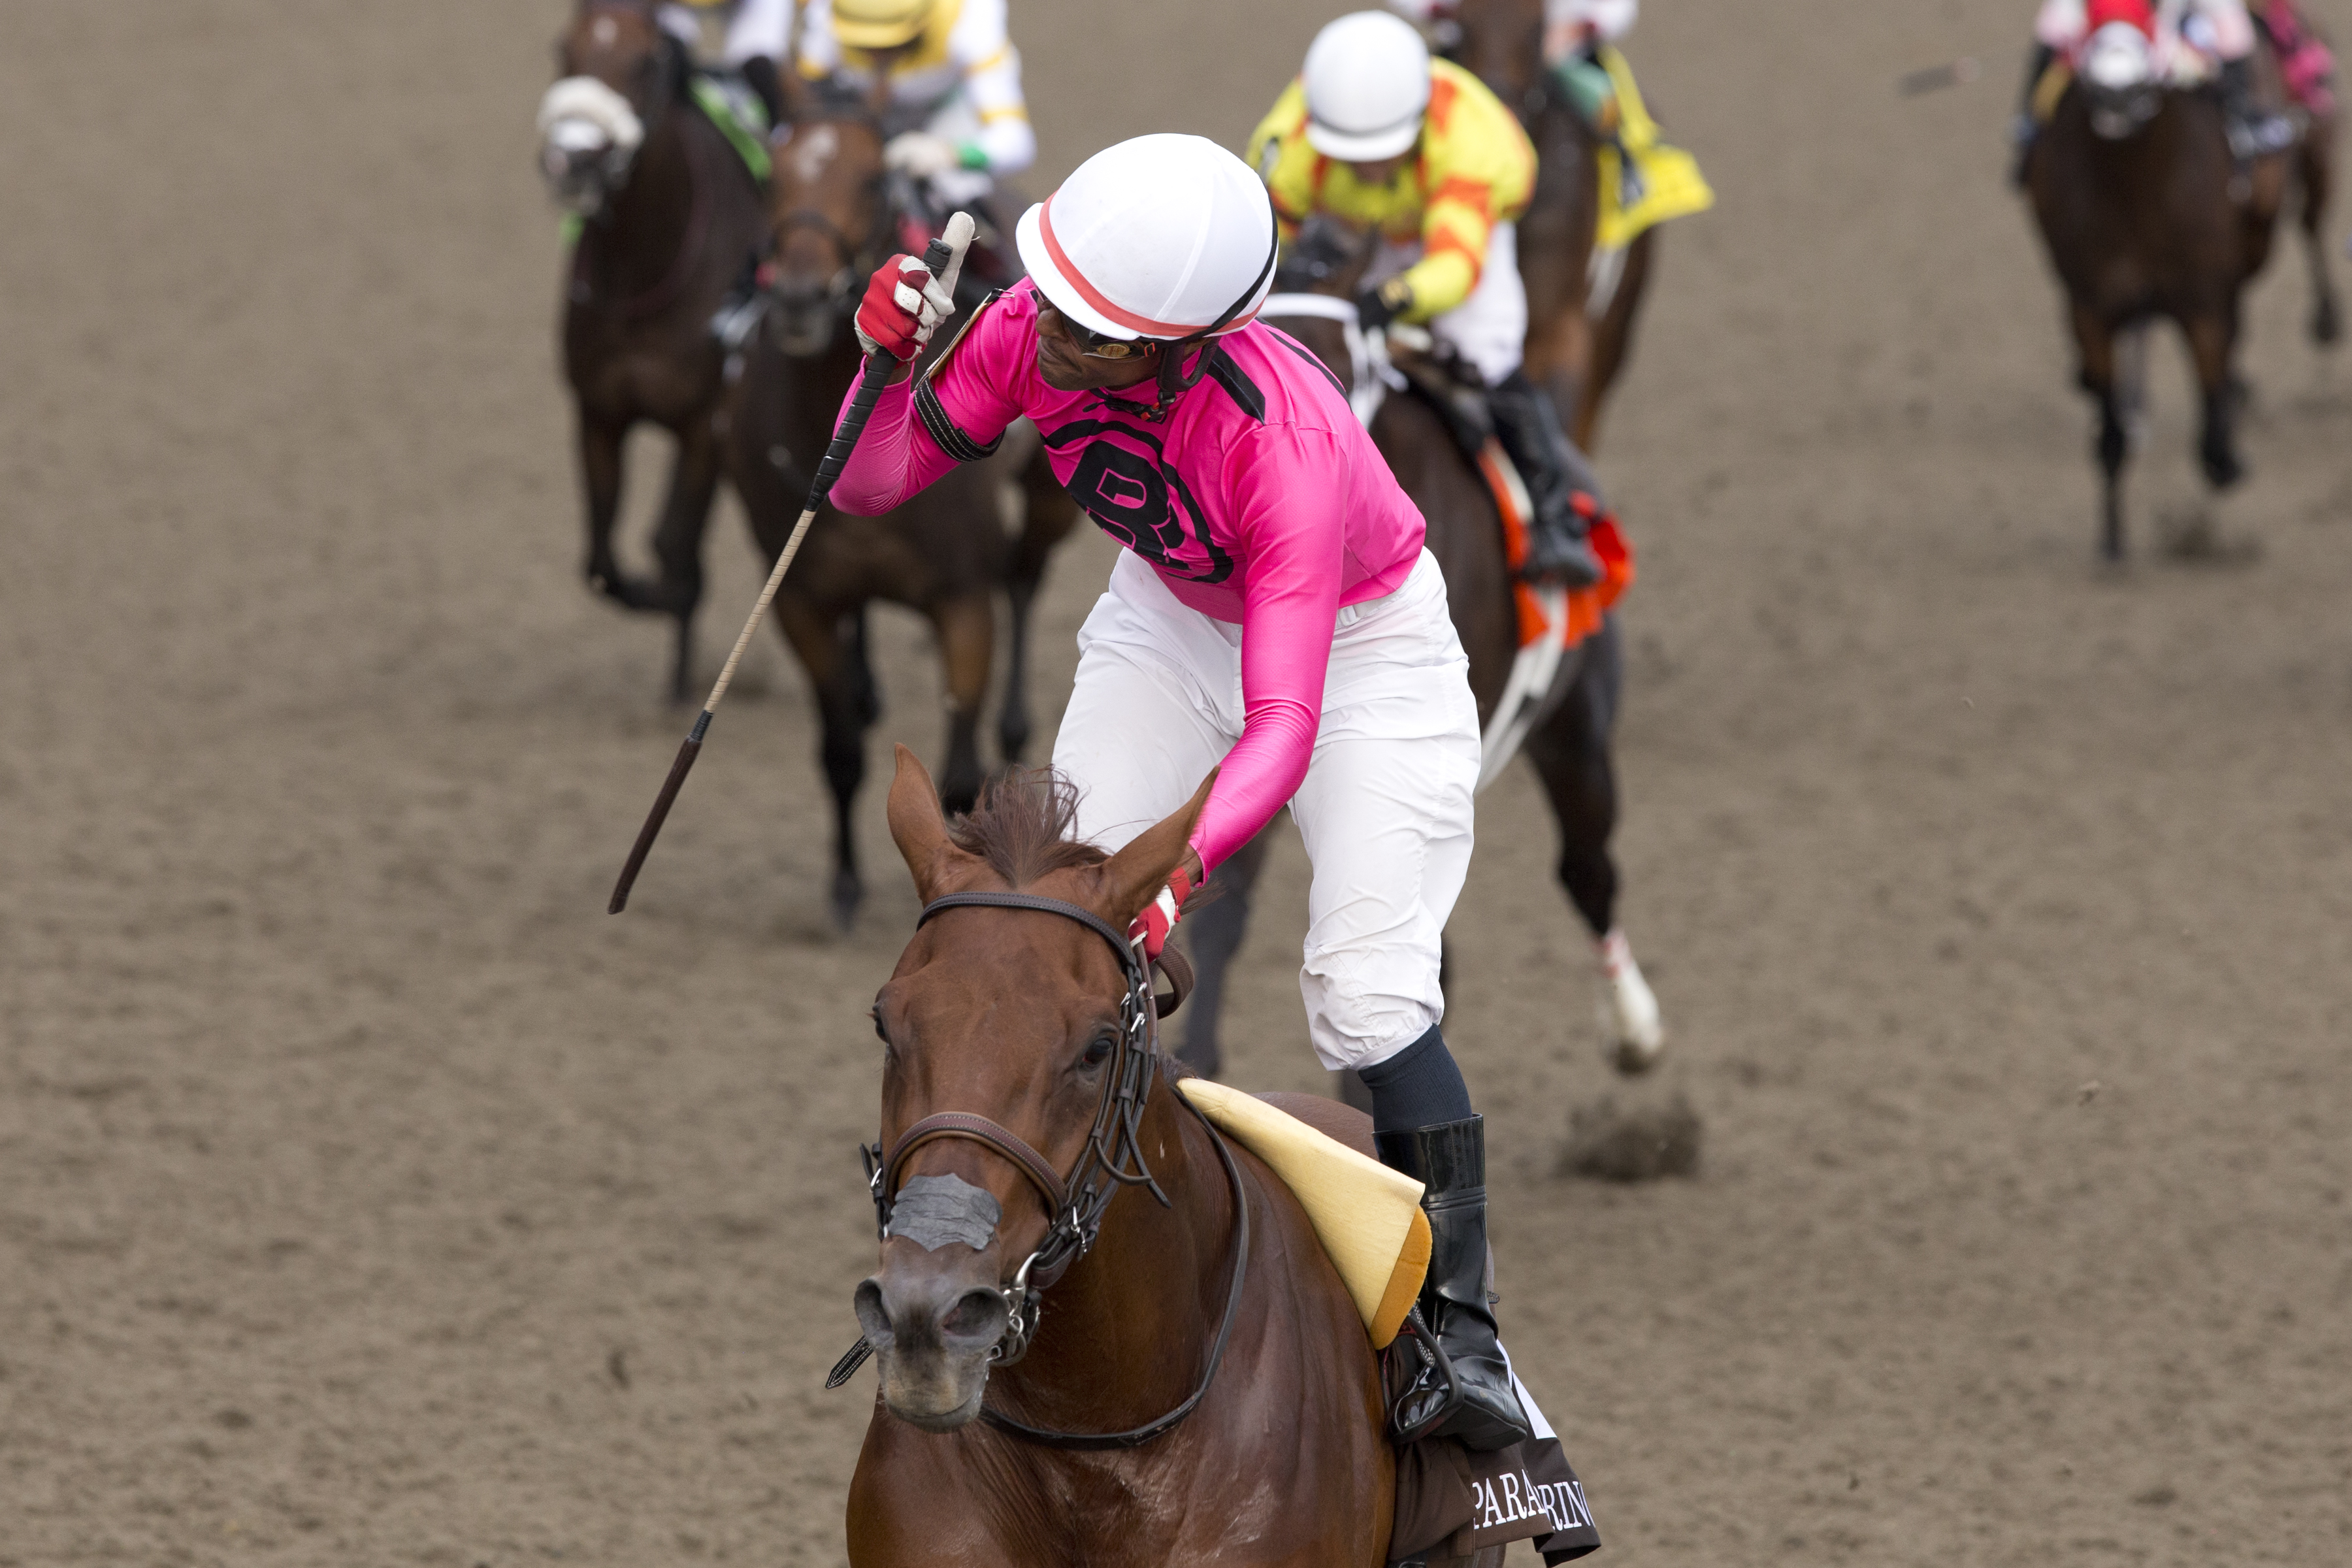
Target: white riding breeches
{"type": "Point", "coordinates": [1385, 808]}
{"type": "Point", "coordinates": [1490, 328]}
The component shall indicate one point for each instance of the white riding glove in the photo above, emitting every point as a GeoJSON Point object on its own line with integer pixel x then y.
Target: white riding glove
{"type": "Point", "coordinates": [921, 153]}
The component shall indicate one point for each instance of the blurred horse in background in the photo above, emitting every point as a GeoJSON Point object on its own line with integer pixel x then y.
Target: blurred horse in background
{"type": "Point", "coordinates": [668, 217]}
{"type": "Point", "coordinates": [1581, 315]}
{"type": "Point", "coordinates": [2146, 214]}
{"type": "Point", "coordinates": [990, 525]}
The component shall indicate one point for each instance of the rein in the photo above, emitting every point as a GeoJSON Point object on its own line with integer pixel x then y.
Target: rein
{"type": "Point", "coordinates": [1372, 376]}
{"type": "Point", "coordinates": [1075, 1204]}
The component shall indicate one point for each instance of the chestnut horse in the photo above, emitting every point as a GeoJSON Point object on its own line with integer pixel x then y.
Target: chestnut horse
{"type": "Point", "coordinates": [1574, 351]}
{"type": "Point", "coordinates": [2146, 215]}
{"type": "Point", "coordinates": [946, 552]}
{"type": "Point", "coordinates": [1201, 1387]}
{"type": "Point", "coordinates": [668, 218]}
{"type": "Point", "coordinates": [1568, 741]}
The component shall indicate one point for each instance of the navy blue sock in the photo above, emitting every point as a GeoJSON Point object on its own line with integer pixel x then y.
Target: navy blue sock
{"type": "Point", "coordinates": [1418, 1087]}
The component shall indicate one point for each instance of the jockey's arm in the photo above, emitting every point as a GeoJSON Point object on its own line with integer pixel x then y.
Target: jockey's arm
{"type": "Point", "coordinates": [1287, 485]}
{"type": "Point", "coordinates": [1006, 143]}
{"type": "Point", "coordinates": [1454, 229]}
{"type": "Point", "coordinates": [898, 456]}
{"type": "Point", "coordinates": [1286, 169]}
{"type": "Point", "coordinates": [1480, 169]}
{"type": "Point", "coordinates": [982, 46]}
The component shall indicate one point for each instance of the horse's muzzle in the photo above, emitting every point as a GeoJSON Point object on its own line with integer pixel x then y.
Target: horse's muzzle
{"type": "Point", "coordinates": [805, 315]}
{"type": "Point", "coordinates": [2120, 113]}
{"type": "Point", "coordinates": [934, 1334]}
{"type": "Point", "coordinates": [582, 168]}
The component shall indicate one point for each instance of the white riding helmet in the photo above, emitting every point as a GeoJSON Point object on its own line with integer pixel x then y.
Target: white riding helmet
{"type": "Point", "coordinates": [1367, 81]}
{"type": "Point", "coordinates": [1164, 236]}
{"type": "Point", "coordinates": [2118, 56]}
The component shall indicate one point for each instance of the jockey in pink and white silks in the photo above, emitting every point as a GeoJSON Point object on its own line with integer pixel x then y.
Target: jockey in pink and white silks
{"type": "Point", "coordinates": [1274, 616]}
{"type": "Point", "coordinates": [2151, 33]}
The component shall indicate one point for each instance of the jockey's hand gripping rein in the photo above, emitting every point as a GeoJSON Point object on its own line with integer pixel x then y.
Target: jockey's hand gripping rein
{"type": "Point", "coordinates": [943, 258]}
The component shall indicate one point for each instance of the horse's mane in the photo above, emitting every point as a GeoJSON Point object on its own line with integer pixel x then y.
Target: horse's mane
{"type": "Point", "coordinates": [1022, 827]}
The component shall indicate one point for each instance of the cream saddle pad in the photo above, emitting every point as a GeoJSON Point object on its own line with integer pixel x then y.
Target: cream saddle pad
{"type": "Point", "coordinates": [1368, 1216]}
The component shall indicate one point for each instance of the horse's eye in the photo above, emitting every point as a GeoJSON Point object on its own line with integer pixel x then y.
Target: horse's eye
{"type": "Point", "coordinates": [1097, 1054]}
{"type": "Point", "coordinates": [880, 1033]}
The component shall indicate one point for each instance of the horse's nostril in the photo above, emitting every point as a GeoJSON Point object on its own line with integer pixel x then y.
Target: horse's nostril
{"type": "Point", "coordinates": [873, 1316]}
{"type": "Point", "coordinates": [977, 1314]}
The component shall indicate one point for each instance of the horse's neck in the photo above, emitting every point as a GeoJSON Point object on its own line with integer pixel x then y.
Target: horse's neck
{"type": "Point", "coordinates": [652, 215]}
{"type": "Point", "coordinates": [1126, 1335]}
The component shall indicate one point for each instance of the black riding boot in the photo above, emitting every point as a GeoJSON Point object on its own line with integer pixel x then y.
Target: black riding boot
{"type": "Point", "coordinates": [1450, 1161]}
{"type": "Point", "coordinates": [759, 74]}
{"type": "Point", "coordinates": [2253, 131]}
{"type": "Point", "coordinates": [1554, 471]}
{"type": "Point", "coordinates": [2026, 126]}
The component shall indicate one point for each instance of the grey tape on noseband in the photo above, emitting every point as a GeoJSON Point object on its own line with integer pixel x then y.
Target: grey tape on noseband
{"type": "Point", "coordinates": [931, 1211]}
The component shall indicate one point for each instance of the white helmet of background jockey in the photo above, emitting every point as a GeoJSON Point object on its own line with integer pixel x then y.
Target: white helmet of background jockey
{"type": "Point", "coordinates": [1164, 236]}
{"type": "Point", "coordinates": [1367, 81]}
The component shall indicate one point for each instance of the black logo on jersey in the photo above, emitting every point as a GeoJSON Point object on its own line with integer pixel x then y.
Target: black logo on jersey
{"type": "Point", "coordinates": [1138, 499]}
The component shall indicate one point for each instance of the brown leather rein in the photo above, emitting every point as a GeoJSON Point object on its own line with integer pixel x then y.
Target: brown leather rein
{"type": "Point", "coordinates": [1074, 1206]}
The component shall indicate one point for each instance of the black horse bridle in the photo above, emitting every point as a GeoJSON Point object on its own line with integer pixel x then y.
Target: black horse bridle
{"type": "Point", "coordinates": [1075, 1204]}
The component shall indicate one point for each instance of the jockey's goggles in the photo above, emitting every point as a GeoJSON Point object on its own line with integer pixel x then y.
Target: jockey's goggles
{"type": "Point", "coordinates": [1097, 345]}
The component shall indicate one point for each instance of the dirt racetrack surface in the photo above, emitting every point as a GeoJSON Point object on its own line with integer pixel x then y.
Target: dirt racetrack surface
{"type": "Point", "coordinates": [367, 1196]}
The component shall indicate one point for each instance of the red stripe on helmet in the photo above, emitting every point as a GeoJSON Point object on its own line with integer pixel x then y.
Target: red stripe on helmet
{"type": "Point", "coordinates": [1095, 296]}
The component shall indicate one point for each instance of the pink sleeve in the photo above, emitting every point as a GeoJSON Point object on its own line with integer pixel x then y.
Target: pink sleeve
{"type": "Point", "coordinates": [893, 459]}
{"type": "Point", "coordinates": [896, 457]}
{"type": "Point", "coordinates": [1289, 485]}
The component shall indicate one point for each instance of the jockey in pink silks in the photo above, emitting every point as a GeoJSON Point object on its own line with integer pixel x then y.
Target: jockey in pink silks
{"type": "Point", "coordinates": [2221, 30]}
{"type": "Point", "coordinates": [1273, 615]}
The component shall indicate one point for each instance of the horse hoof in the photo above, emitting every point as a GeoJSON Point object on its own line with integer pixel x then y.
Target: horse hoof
{"type": "Point", "coordinates": [1636, 1033]}
{"type": "Point", "coordinates": [849, 892]}
{"type": "Point", "coordinates": [2222, 469]}
{"type": "Point", "coordinates": [629, 593]}
{"type": "Point", "coordinates": [2325, 326]}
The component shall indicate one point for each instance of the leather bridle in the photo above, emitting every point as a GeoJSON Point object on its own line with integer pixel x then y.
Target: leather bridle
{"type": "Point", "coordinates": [1075, 1204]}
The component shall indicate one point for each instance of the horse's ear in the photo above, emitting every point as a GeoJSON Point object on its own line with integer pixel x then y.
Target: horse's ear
{"type": "Point", "coordinates": [918, 826]}
{"type": "Point", "coordinates": [1133, 878]}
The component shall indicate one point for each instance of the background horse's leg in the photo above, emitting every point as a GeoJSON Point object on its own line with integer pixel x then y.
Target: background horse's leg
{"type": "Point", "coordinates": [601, 439]}
{"type": "Point", "coordinates": [2315, 172]}
{"type": "Point", "coordinates": [1048, 516]}
{"type": "Point", "coordinates": [967, 633]}
{"type": "Point", "coordinates": [2212, 336]}
{"type": "Point", "coordinates": [1570, 753]}
{"type": "Point", "coordinates": [832, 649]}
{"type": "Point", "coordinates": [1613, 337]}
{"type": "Point", "coordinates": [678, 543]}
{"type": "Point", "coordinates": [1212, 936]}
{"type": "Point", "coordinates": [2096, 343]}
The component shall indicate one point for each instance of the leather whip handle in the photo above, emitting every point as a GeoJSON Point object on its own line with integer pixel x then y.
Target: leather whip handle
{"type": "Point", "coordinates": [943, 254]}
